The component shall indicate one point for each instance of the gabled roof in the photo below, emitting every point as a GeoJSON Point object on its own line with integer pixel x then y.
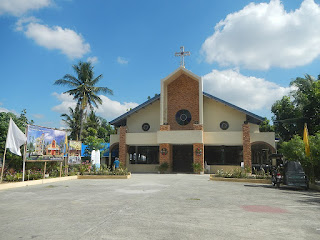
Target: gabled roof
{"type": "Point", "coordinates": [179, 71]}
{"type": "Point", "coordinates": [121, 120]}
{"type": "Point", "coordinates": [251, 117]}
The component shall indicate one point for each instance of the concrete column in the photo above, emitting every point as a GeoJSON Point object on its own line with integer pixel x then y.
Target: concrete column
{"type": "Point", "coordinates": [246, 145]}
{"type": "Point", "coordinates": [198, 154]}
{"type": "Point", "coordinates": [123, 146]}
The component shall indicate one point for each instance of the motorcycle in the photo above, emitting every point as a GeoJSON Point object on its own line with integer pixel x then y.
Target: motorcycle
{"type": "Point", "coordinates": [276, 177]}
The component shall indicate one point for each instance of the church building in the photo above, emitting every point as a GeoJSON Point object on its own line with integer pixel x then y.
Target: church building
{"type": "Point", "coordinates": [184, 125]}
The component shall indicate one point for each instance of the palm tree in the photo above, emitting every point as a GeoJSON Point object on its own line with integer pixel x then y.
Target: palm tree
{"type": "Point", "coordinates": [73, 122]}
{"type": "Point", "coordinates": [83, 88]}
{"type": "Point", "coordinates": [93, 120]}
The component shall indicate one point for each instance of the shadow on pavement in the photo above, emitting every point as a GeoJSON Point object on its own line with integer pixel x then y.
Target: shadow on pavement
{"type": "Point", "coordinates": [307, 196]}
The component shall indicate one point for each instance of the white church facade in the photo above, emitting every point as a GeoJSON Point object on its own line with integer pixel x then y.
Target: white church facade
{"type": "Point", "coordinates": [184, 125]}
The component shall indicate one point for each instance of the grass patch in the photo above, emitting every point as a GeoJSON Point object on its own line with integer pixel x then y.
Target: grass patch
{"type": "Point", "coordinates": [194, 199]}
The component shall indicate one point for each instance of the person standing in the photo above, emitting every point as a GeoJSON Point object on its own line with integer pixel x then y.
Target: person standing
{"type": "Point", "coordinates": [116, 163]}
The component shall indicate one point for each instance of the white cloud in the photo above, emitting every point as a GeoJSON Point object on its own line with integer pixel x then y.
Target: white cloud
{"type": "Point", "coordinates": [2, 109]}
{"type": "Point", "coordinates": [122, 60]}
{"type": "Point", "coordinates": [66, 102]}
{"type": "Point", "coordinates": [20, 24]}
{"type": "Point", "coordinates": [38, 116]}
{"type": "Point", "coordinates": [93, 60]}
{"type": "Point", "coordinates": [66, 40]}
{"type": "Point", "coordinates": [250, 93]}
{"type": "Point", "coordinates": [264, 35]}
{"type": "Point", "coordinates": [19, 7]}
{"type": "Point", "coordinates": [109, 109]}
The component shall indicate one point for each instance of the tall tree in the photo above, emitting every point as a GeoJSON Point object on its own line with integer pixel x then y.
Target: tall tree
{"type": "Point", "coordinates": [302, 106]}
{"type": "Point", "coordinates": [73, 122]}
{"type": "Point", "coordinates": [93, 120]}
{"type": "Point", "coordinates": [287, 118]}
{"type": "Point", "coordinates": [83, 88]}
{"type": "Point", "coordinates": [265, 126]}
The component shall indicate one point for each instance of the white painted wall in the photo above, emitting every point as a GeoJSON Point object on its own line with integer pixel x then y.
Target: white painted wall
{"type": "Point", "coordinates": [254, 128]}
{"type": "Point", "coordinates": [180, 137]}
{"type": "Point", "coordinates": [114, 138]}
{"type": "Point", "coordinates": [142, 139]}
{"type": "Point", "coordinates": [222, 138]}
{"type": "Point", "coordinates": [150, 114]}
{"type": "Point", "coordinates": [268, 137]}
{"type": "Point", "coordinates": [215, 112]}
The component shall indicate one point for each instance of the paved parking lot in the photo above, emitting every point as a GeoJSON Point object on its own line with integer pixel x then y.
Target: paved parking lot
{"type": "Point", "coordinates": [158, 206]}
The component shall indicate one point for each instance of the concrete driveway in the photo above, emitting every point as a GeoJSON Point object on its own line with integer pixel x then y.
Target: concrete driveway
{"type": "Point", "coordinates": [158, 206]}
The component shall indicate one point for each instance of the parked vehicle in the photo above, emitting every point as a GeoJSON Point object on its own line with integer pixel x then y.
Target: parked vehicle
{"type": "Point", "coordinates": [276, 176]}
{"type": "Point", "coordinates": [293, 175]}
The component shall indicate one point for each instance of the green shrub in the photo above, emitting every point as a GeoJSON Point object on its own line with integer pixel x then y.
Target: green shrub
{"type": "Point", "coordinates": [163, 167]}
{"type": "Point", "coordinates": [197, 167]}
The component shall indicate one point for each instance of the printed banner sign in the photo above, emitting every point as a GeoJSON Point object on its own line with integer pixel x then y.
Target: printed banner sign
{"type": "Point", "coordinates": [74, 156]}
{"type": "Point", "coordinates": [74, 145]}
{"type": "Point", "coordinates": [74, 160]}
{"type": "Point", "coordinates": [45, 143]}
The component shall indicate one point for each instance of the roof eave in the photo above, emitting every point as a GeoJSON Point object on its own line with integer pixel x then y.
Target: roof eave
{"type": "Point", "coordinates": [250, 117]}
{"type": "Point", "coordinates": [123, 117]}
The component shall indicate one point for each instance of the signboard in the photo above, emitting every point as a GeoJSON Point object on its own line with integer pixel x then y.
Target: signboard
{"type": "Point", "coordinates": [74, 160]}
{"type": "Point", "coordinates": [45, 143]}
{"type": "Point", "coordinates": [74, 156]}
{"type": "Point", "coordinates": [74, 145]}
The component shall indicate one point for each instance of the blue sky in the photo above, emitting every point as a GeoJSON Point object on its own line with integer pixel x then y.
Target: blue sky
{"type": "Point", "coordinates": [246, 51]}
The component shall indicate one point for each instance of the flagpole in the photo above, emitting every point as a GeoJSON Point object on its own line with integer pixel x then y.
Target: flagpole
{"type": "Point", "coordinates": [3, 162]}
{"type": "Point", "coordinates": [25, 155]}
{"type": "Point", "coordinates": [4, 155]}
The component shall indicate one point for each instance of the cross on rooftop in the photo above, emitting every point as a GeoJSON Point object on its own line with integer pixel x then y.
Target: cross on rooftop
{"type": "Point", "coordinates": [181, 54]}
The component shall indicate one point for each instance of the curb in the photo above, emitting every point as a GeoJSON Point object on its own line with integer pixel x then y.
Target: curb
{"type": "Point", "coordinates": [5, 186]}
{"type": "Point", "coordinates": [242, 180]}
{"type": "Point", "coordinates": [35, 182]}
{"type": "Point", "coordinates": [104, 176]}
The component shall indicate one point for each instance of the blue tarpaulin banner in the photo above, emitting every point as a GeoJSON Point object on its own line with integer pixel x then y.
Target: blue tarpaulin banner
{"type": "Point", "coordinates": [104, 150]}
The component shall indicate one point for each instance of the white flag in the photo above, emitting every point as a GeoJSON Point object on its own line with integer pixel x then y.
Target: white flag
{"type": "Point", "coordinates": [15, 138]}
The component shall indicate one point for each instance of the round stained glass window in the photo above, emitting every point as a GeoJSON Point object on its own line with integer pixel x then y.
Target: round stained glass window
{"type": "Point", "coordinates": [145, 126]}
{"type": "Point", "coordinates": [183, 117]}
{"type": "Point", "coordinates": [224, 125]}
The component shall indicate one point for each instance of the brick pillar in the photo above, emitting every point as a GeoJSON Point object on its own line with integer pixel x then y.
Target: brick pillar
{"type": "Point", "coordinates": [198, 157]}
{"type": "Point", "coordinates": [197, 127]}
{"type": "Point", "coordinates": [123, 146]}
{"type": "Point", "coordinates": [166, 157]}
{"type": "Point", "coordinates": [246, 145]}
{"type": "Point", "coordinates": [164, 127]}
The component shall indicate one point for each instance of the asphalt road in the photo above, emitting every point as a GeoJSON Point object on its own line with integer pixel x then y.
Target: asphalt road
{"type": "Point", "coordinates": [158, 206]}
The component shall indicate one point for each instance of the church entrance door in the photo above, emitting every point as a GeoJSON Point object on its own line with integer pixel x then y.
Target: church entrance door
{"type": "Point", "coordinates": [182, 158]}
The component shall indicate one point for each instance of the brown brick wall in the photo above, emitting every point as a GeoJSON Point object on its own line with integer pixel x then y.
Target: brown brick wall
{"type": "Point", "coordinates": [197, 127]}
{"type": "Point", "coordinates": [198, 158]}
{"type": "Point", "coordinates": [168, 157]}
{"type": "Point", "coordinates": [164, 127]}
{"type": "Point", "coordinates": [183, 93]}
{"type": "Point", "coordinates": [246, 145]}
{"type": "Point", "coordinates": [123, 146]}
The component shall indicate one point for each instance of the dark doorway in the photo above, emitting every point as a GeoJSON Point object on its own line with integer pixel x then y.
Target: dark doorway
{"type": "Point", "coordinates": [182, 158]}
